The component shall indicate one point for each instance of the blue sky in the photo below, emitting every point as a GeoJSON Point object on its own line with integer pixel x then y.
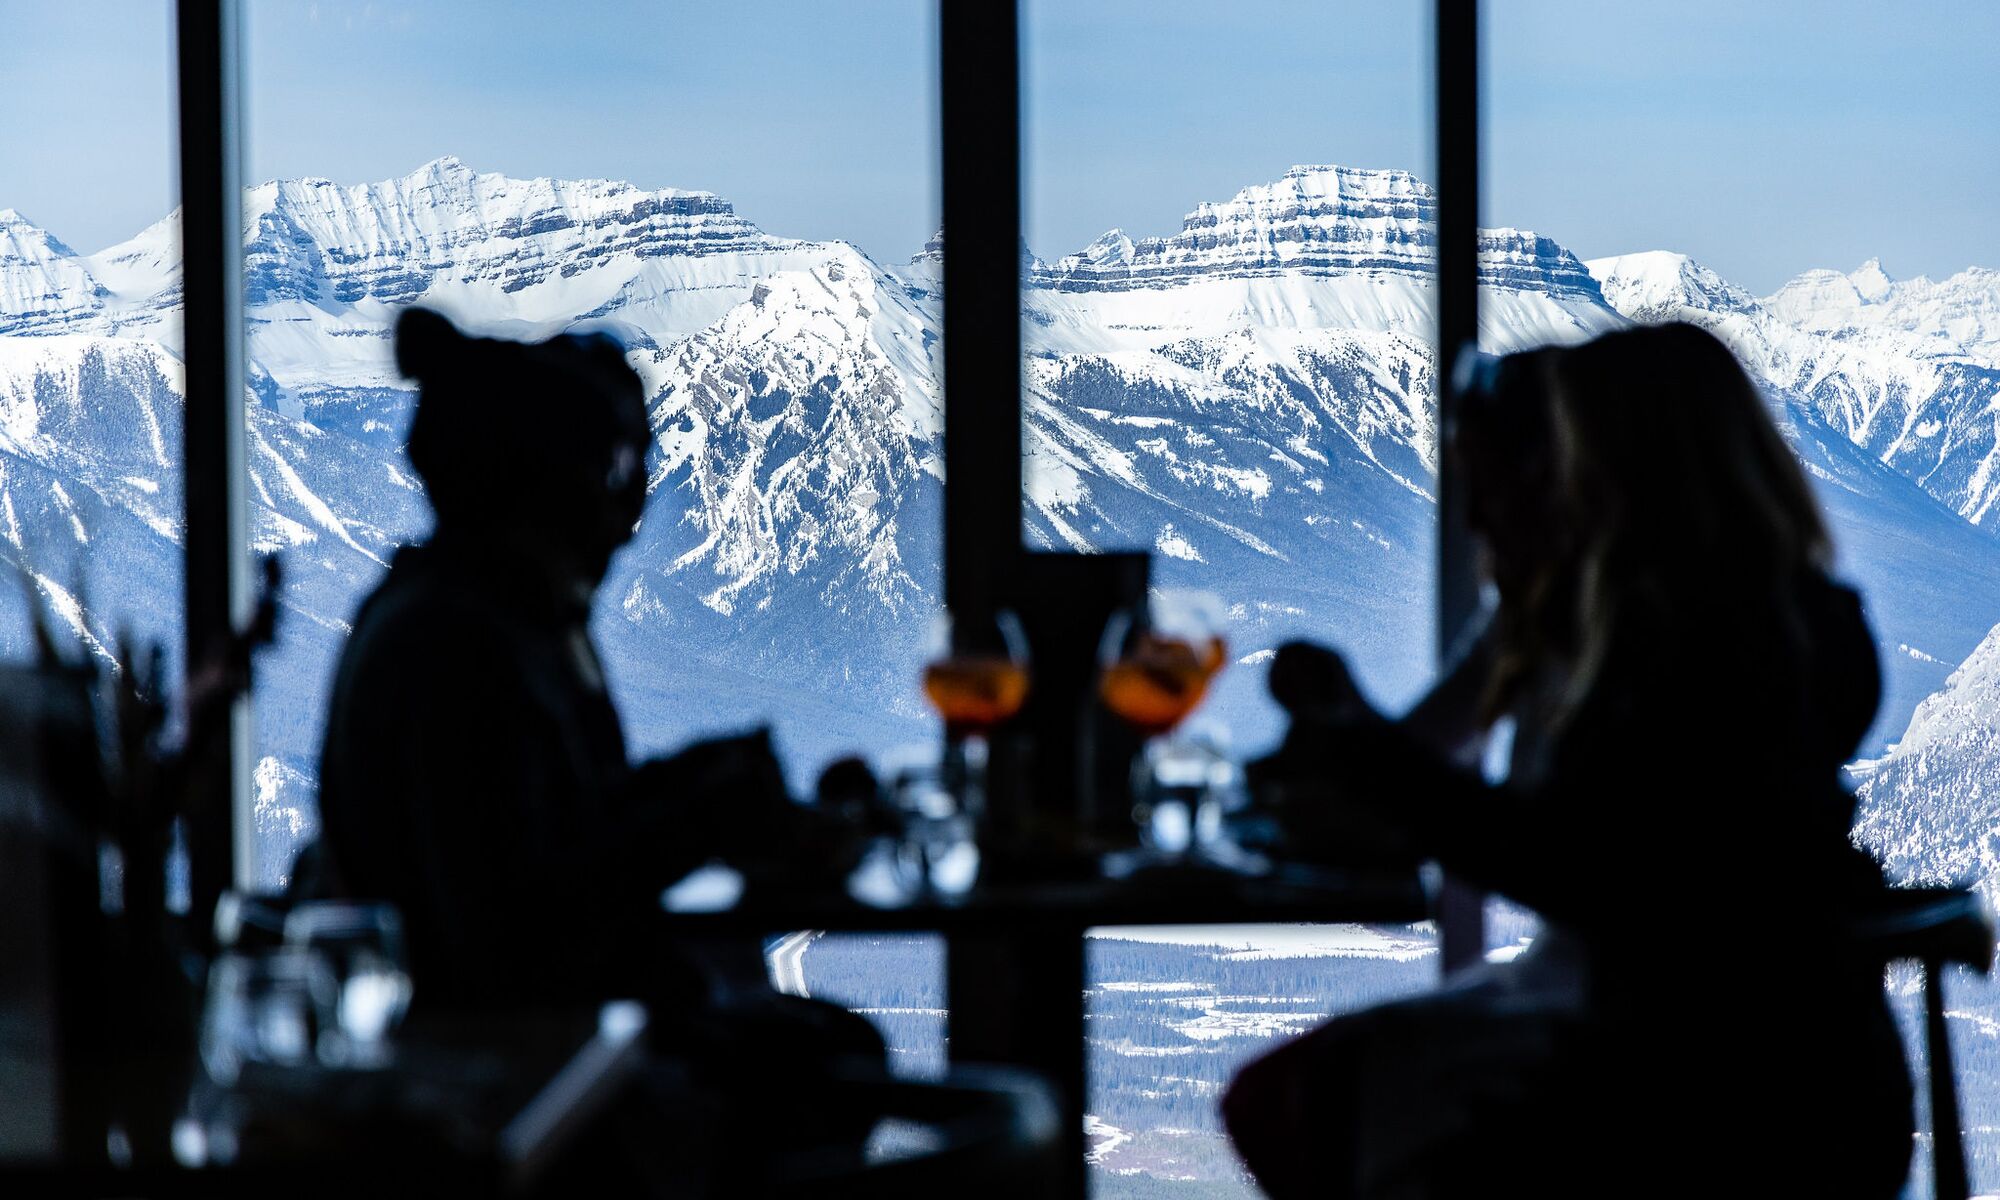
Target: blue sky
{"type": "Point", "coordinates": [1762, 138]}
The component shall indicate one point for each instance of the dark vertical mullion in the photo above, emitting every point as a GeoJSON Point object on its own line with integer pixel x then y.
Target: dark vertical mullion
{"type": "Point", "coordinates": [980, 110]}
{"type": "Point", "coordinates": [1460, 910]}
{"type": "Point", "coordinates": [1013, 998]}
{"type": "Point", "coordinates": [217, 583]}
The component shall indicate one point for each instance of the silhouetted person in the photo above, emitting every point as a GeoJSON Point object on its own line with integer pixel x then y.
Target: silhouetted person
{"type": "Point", "coordinates": [1685, 683]}
{"type": "Point", "coordinates": [474, 771]}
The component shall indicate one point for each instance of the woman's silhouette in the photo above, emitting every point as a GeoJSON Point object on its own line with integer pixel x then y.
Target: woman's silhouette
{"type": "Point", "coordinates": [1684, 682]}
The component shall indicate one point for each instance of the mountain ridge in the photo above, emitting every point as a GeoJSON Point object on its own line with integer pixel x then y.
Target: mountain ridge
{"type": "Point", "coordinates": [1258, 412]}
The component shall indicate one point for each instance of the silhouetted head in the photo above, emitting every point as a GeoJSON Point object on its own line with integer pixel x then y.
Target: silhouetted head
{"type": "Point", "coordinates": [541, 445]}
{"type": "Point", "coordinates": [1669, 459]}
{"type": "Point", "coordinates": [1686, 505]}
{"type": "Point", "coordinates": [1501, 446]}
{"type": "Point", "coordinates": [1501, 443]}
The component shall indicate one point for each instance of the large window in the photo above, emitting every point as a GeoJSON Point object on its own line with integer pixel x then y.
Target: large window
{"type": "Point", "coordinates": [739, 211]}
{"type": "Point", "coordinates": [1228, 324]}
{"type": "Point", "coordinates": [753, 218]}
{"type": "Point", "coordinates": [1813, 183]}
{"type": "Point", "coordinates": [1228, 318]}
{"type": "Point", "coordinates": [90, 378]}
{"type": "Point", "coordinates": [1229, 327]}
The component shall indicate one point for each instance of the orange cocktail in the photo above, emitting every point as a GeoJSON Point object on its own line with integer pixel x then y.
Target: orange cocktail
{"type": "Point", "coordinates": [1159, 680]}
{"type": "Point", "coordinates": [973, 693]}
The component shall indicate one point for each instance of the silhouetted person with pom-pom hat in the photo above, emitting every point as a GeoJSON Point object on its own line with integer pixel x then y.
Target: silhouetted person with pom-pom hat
{"type": "Point", "coordinates": [474, 772]}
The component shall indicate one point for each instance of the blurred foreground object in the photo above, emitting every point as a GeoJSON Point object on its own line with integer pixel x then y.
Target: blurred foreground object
{"type": "Point", "coordinates": [97, 1002]}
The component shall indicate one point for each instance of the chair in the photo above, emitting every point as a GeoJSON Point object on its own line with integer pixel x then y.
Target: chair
{"type": "Point", "coordinates": [1936, 928]}
{"type": "Point", "coordinates": [988, 1131]}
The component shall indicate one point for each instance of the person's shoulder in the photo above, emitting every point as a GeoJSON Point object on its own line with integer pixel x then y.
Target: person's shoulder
{"type": "Point", "coordinates": [419, 627]}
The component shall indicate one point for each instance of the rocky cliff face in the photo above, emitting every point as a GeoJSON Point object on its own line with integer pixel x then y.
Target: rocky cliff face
{"type": "Point", "coordinates": [448, 226]}
{"type": "Point", "coordinates": [1316, 221]}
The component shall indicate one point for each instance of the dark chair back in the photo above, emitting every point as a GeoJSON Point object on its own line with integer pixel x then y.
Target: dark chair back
{"type": "Point", "coordinates": [1935, 927]}
{"type": "Point", "coordinates": [54, 1019]}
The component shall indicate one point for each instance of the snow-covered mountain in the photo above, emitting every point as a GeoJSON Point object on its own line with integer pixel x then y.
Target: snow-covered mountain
{"type": "Point", "coordinates": [1956, 317]}
{"type": "Point", "coordinates": [43, 283]}
{"type": "Point", "coordinates": [1317, 222]}
{"type": "Point", "coordinates": [1931, 805]}
{"type": "Point", "coordinates": [1249, 397]}
{"type": "Point", "coordinates": [1876, 359]}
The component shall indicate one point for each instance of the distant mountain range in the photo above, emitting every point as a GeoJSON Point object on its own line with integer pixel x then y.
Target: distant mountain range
{"type": "Point", "coordinates": [1251, 398]}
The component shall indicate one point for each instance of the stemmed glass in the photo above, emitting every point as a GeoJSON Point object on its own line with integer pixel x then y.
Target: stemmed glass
{"type": "Point", "coordinates": [976, 678]}
{"type": "Point", "coordinates": [935, 853]}
{"type": "Point", "coordinates": [260, 1009]}
{"type": "Point", "coordinates": [1158, 660]}
{"type": "Point", "coordinates": [365, 989]}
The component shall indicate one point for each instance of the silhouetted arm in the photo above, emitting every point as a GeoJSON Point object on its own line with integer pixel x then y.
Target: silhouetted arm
{"type": "Point", "coordinates": [1313, 684]}
{"type": "Point", "coordinates": [1448, 718]}
{"type": "Point", "coordinates": [1490, 835]}
{"type": "Point", "coordinates": [1676, 786]}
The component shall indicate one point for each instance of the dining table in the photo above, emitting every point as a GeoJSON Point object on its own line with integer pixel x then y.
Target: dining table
{"type": "Point", "coordinates": [1016, 982]}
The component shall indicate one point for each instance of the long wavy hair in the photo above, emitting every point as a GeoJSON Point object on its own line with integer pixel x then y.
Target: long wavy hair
{"type": "Point", "coordinates": [1683, 511]}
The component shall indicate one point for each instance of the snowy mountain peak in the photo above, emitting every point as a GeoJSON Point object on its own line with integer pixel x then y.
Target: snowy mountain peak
{"type": "Point", "coordinates": [42, 281]}
{"type": "Point", "coordinates": [1871, 282]}
{"type": "Point", "coordinates": [447, 166]}
{"type": "Point", "coordinates": [1822, 289]}
{"type": "Point", "coordinates": [444, 224]}
{"type": "Point", "coordinates": [1112, 249]}
{"type": "Point", "coordinates": [1657, 285]}
{"type": "Point", "coordinates": [22, 237]}
{"type": "Point", "coordinates": [1324, 221]}
{"type": "Point", "coordinates": [923, 276]}
{"type": "Point", "coordinates": [1956, 317]}
{"type": "Point", "coordinates": [794, 430]}
{"type": "Point", "coordinates": [1329, 182]}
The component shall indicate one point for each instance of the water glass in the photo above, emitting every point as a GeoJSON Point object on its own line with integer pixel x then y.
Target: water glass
{"type": "Point", "coordinates": [936, 850]}
{"type": "Point", "coordinates": [365, 989]}
{"type": "Point", "coordinates": [261, 1009]}
{"type": "Point", "coordinates": [1185, 790]}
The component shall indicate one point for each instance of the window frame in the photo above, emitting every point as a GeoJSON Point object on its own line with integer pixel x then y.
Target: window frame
{"type": "Point", "coordinates": [980, 145]}
{"type": "Point", "coordinates": [215, 472]}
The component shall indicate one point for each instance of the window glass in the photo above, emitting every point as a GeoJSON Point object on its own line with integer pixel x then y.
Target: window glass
{"type": "Point", "coordinates": [1815, 184]}
{"type": "Point", "coordinates": [1228, 319]}
{"type": "Point", "coordinates": [734, 210]}
{"type": "Point", "coordinates": [735, 192]}
{"type": "Point", "coordinates": [90, 377]}
{"type": "Point", "coordinates": [1228, 323]}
